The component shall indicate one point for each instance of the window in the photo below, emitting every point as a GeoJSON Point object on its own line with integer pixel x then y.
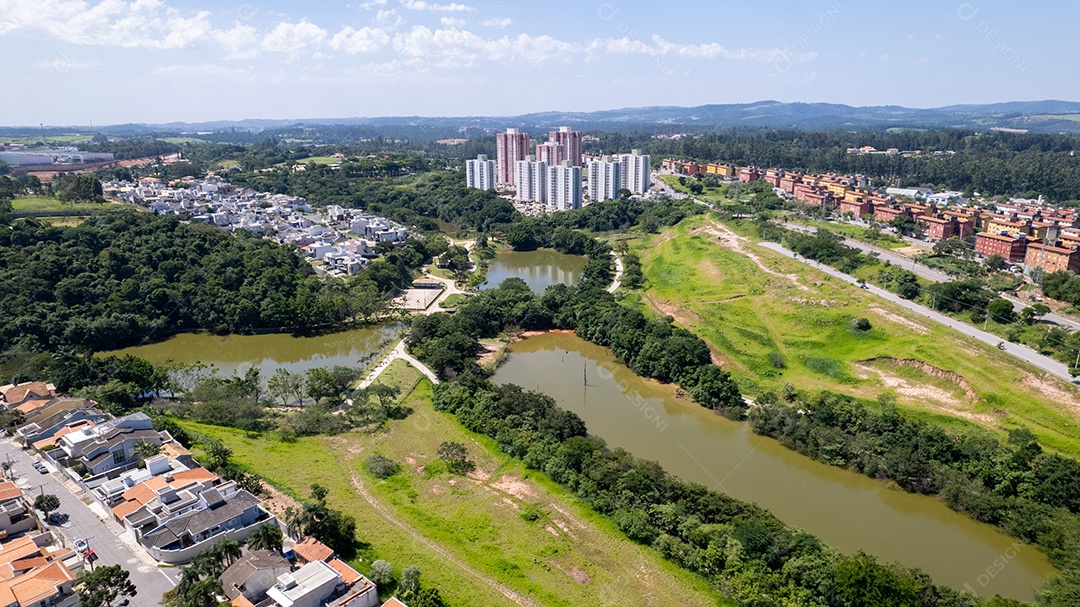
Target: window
{"type": "Point", "coordinates": [118, 457]}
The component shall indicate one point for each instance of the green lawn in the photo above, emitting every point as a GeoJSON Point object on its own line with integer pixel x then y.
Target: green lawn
{"type": "Point", "coordinates": [712, 196]}
{"type": "Point", "coordinates": [54, 207]}
{"type": "Point", "coordinates": [887, 241]}
{"type": "Point", "coordinates": [794, 326]}
{"type": "Point", "coordinates": [569, 555]}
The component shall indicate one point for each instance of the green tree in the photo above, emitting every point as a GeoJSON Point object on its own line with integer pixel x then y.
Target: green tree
{"type": "Point", "coordinates": [267, 536]}
{"type": "Point", "coordinates": [410, 582]}
{"type": "Point", "coordinates": [145, 449]}
{"type": "Point", "coordinates": [456, 457]}
{"type": "Point", "coordinates": [994, 263]}
{"type": "Point", "coordinates": [217, 454]}
{"type": "Point", "coordinates": [381, 466]}
{"type": "Point", "coordinates": [319, 384]}
{"type": "Point", "coordinates": [105, 586]}
{"type": "Point", "coordinates": [382, 573]}
{"type": "Point", "coordinates": [1001, 311]}
{"type": "Point", "coordinates": [1031, 314]}
{"type": "Point", "coordinates": [286, 386]}
{"type": "Point", "coordinates": [46, 503]}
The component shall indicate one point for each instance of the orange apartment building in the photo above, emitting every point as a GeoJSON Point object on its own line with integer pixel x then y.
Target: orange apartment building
{"type": "Point", "coordinates": [1051, 258]}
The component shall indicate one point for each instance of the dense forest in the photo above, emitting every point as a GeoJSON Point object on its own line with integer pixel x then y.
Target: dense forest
{"type": "Point", "coordinates": [121, 279]}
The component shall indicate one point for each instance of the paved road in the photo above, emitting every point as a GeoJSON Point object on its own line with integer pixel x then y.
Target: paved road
{"type": "Point", "coordinates": [934, 275]}
{"type": "Point", "coordinates": [1018, 351]}
{"type": "Point", "coordinates": [83, 522]}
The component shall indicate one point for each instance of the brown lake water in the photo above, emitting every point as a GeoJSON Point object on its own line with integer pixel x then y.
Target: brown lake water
{"type": "Point", "coordinates": [270, 352]}
{"type": "Point", "coordinates": [843, 508]}
{"type": "Point", "coordinates": [539, 269]}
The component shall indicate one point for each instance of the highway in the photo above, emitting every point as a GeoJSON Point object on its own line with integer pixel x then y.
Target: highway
{"type": "Point", "coordinates": [1017, 351]}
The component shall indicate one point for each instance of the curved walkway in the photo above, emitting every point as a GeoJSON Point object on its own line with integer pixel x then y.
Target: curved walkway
{"type": "Point", "coordinates": [618, 274]}
{"type": "Point", "coordinates": [398, 352]}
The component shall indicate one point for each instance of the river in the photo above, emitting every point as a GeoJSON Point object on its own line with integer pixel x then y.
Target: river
{"type": "Point", "coordinates": [843, 508]}
{"type": "Point", "coordinates": [270, 352]}
{"type": "Point", "coordinates": [539, 269]}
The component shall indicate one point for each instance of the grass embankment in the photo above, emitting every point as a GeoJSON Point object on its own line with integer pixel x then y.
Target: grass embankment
{"type": "Point", "coordinates": [568, 555]}
{"type": "Point", "coordinates": [856, 232]}
{"type": "Point", "coordinates": [773, 321]}
{"type": "Point", "coordinates": [715, 196]}
{"type": "Point", "coordinates": [47, 205]}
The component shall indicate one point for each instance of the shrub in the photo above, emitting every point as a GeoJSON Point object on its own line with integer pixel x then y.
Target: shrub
{"type": "Point", "coordinates": [381, 466]}
{"type": "Point", "coordinates": [861, 324]}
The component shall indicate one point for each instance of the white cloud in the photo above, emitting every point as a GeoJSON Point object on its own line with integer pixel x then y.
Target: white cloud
{"type": "Point", "coordinates": [660, 47]}
{"type": "Point", "coordinates": [423, 5]}
{"type": "Point", "coordinates": [388, 18]}
{"type": "Point", "coordinates": [363, 40]}
{"type": "Point", "coordinates": [154, 24]}
{"type": "Point", "coordinates": [453, 47]}
{"type": "Point", "coordinates": [294, 37]}
{"type": "Point", "coordinates": [373, 4]}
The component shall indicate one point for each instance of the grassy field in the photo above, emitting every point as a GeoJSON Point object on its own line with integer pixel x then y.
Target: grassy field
{"type": "Point", "coordinates": [887, 241]}
{"type": "Point", "coordinates": [52, 206]}
{"type": "Point", "coordinates": [774, 321]}
{"type": "Point", "coordinates": [427, 517]}
{"type": "Point", "coordinates": [181, 140]}
{"type": "Point", "coordinates": [712, 196]}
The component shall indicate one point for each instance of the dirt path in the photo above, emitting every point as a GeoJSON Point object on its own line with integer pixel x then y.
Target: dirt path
{"type": "Point", "coordinates": [443, 552]}
{"type": "Point", "coordinates": [733, 241]}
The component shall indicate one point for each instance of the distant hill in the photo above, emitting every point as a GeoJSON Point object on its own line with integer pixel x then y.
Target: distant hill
{"type": "Point", "coordinates": [1047, 116]}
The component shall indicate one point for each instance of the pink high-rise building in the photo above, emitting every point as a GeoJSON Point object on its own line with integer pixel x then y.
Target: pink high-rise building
{"type": "Point", "coordinates": [570, 140]}
{"type": "Point", "coordinates": [510, 147]}
{"type": "Point", "coordinates": [551, 153]}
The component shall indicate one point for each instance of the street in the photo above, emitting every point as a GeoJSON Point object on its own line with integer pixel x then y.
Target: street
{"type": "Point", "coordinates": [933, 275]}
{"type": "Point", "coordinates": [102, 535]}
{"type": "Point", "coordinates": [1018, 351]}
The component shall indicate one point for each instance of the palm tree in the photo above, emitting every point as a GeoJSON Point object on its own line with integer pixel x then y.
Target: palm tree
{"type": "Point", "coordinates": [222, 554]}
{"type": "Point", "coordinates": [297, 521]}
{"type": "Point", "coordinates": [266, 537]}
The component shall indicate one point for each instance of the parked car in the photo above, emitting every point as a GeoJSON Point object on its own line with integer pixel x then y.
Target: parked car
{"type": "Point", "coordinates": [40, 467]}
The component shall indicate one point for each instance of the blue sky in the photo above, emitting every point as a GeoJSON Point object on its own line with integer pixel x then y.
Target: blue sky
{"type": "Point", "coordinates": [115, 61]}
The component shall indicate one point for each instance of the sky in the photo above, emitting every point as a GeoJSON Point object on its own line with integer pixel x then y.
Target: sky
{"type": "Point", "coordinates": [76, 62]}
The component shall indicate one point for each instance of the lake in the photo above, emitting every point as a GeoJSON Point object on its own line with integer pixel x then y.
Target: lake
{"type": "Point", "coordinates": [539, 269]}
{"type": "Point", "coordinates": [845, 509]}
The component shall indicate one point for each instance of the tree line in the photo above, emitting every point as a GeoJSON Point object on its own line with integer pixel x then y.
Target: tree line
{"type": "Point", "coordinates": [1031, 494]}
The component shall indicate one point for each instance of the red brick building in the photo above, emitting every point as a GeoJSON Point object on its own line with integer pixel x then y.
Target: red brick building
{"type": "Point", "coordinates": [937, 228]}
{"type": "Point", "coordinates": [748, 174]}
{"type": "Point", "coordinates": [1011, 247]}
{"type": "Point", "coordinates": [857, 207]}
{"type": "Point", "coordinates": [887, 214]}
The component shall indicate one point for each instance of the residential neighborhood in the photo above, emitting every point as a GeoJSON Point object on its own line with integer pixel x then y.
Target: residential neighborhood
{"type": "Point", "coordinates": [339, 241]}
{"type": "Point", "coordinates": [145, 489]}
{"type": "Point", "coordinates": [1031, 234]}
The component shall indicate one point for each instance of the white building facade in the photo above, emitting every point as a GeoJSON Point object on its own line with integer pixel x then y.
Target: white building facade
{"type": "Point", "coordinates": [605, 179]}
{"type": "Point", "coordinates": [480, 173]}
{"type": "Point", "coordinates": [531, 178]}
{"type": "Point", "coordinates": [635, 171]}
{"type": "Point", "coordinates": [564, 187]}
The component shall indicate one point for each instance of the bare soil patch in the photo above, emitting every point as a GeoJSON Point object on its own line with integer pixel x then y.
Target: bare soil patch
{"type": "Point", "coordinates": [512, 485]}
{"type": "Point", "coordinates": [733, 241]}
{"type": "Point", "coordinates": [1052, 389]}
{"type": "Point", "coordinates": [900, 320]}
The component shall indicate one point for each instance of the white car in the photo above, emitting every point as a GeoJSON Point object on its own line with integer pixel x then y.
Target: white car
{"type": "Point", "coordinates": [81, 545]}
